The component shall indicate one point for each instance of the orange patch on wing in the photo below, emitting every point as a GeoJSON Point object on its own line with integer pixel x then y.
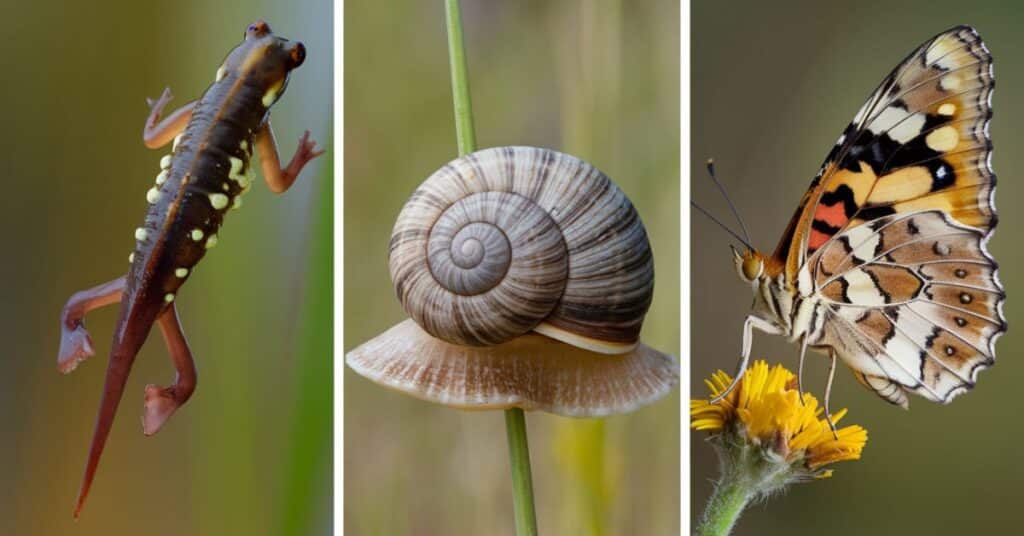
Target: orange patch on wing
{"type": "Point", "coordinates": [834, 215]}
{"type": "Point", "coordinates": [817, 239]}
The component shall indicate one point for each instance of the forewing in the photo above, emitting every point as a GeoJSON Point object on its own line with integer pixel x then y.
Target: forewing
{"type": "Point", "coordinates": [920, 142]}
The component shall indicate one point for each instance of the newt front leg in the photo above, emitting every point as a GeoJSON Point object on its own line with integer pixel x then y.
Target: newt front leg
{"type": "Point", "coordinates": [277, 179]}
{"type": "Point", "coordinates": [157, 133]}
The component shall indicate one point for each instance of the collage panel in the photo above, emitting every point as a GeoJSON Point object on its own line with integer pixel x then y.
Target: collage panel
{"type": "Point", "coordinates": [100, 253]}
{"type": "Point", "coordinates": [860, 145]}
{"type": "Point", "coordinates": [558, 90]}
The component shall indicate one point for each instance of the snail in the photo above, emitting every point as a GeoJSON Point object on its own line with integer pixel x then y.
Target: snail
{"type": "Point", "coordinates": [527, 274]}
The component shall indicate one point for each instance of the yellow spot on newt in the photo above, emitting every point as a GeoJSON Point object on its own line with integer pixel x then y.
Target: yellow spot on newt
{"type": "Point", "coordinates": [218, 201]}
{"type": "Point", "coordinates": [211, 242]}
{"type": "Point", "coordinates": [236, 167]}
{"type": "Point", "coordinates": [271, 95]}
{"type": "Point", "coordinates": [197, 234]}
{"type": "Point", "coordinates": [168, 297]}
{"type": "Point", "coordinates": [236, 202]}
{"type": "Point", "coordinates": [181, 272]}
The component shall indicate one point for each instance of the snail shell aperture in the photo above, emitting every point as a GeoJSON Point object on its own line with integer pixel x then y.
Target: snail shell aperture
{"type": "Point", "coordinates": [509, 240]}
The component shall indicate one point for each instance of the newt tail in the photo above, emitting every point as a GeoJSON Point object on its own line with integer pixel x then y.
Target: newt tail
{"type": "Point", "coordinates": [127, 342]}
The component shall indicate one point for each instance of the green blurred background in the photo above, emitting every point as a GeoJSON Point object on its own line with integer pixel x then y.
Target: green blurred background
{"type": "Point", "coordinates": [773, 85]}
{"type": "Point", "coordinates": [251, 451]}
{"type": "Point", "coordinates": [596, 79]}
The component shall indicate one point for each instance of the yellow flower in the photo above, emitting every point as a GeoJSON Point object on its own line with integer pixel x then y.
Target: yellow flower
{"type": "Point", "coordinates": [765, 412]}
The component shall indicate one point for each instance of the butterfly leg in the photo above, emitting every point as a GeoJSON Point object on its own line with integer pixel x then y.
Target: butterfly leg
{"type": "Point", "coordinates": [157, 133]}
{"type": "Point", "coordinates": [161, 402]}
{"type": "Point", "coordinates": [75, 342]}
{"type": "Point", "coordinates": [748, 337]}
{"type": "Point", "coordinates": [828, 394]}
{"type": "Point", "coordinates": [800, 369]}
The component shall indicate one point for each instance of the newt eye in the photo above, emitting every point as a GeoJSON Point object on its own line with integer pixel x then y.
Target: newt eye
{"type": "Point", "coordinates": [257, 28]}
{"type": "Point", "coordinates": [298, 54]}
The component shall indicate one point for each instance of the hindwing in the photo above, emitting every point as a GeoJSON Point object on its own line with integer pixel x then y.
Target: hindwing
{"type": "Point", "coordinates": [912, 303]}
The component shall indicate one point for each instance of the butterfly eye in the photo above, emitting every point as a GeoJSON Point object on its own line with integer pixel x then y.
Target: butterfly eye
{"type": "Point", "coordinates": [751, 268]}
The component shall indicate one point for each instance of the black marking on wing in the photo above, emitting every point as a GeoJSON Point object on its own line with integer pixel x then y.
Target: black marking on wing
{"type": "Point", "coordinates": [842, 194]}
{"type": "Point", "coordinates": [878, 287]}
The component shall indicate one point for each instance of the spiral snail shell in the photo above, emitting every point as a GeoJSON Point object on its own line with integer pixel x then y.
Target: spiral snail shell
{"type": "Point", "coordinates": [526, 273]}
{"type": "Point", "coordinates": [512, 239]}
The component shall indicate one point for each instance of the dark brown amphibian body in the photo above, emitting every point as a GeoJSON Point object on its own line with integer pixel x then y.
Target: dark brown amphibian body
{"type": "Point", "coordinates": [204, 177]}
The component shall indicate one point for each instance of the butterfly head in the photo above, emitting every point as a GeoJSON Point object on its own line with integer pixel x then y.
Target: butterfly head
{"type": "Point", "coordinates": [749, 265]}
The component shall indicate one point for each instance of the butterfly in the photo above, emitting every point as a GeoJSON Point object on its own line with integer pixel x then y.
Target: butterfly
{"type": "Point", "coordinates": [884, 264]}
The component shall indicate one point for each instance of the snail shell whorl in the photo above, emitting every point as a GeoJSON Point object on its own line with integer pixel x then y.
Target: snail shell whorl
{"type": "Point", "coordinates": [507, 240]}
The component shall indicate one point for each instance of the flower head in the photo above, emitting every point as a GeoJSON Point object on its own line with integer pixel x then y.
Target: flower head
{"type": "Point", "coordinates": [764, 414]}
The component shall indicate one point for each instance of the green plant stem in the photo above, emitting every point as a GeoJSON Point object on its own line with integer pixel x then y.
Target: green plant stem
{"type": "Point", "coordinates": [730, 497]}
{"type": "Point", "coordinates": [522, 479]}
{"type": "Point", "coordinates": [515, 420]}
{"type": "Point", "coordinates": [464, 132]}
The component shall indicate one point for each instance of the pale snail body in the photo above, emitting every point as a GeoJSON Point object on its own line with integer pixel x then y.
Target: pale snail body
{"type": "Point", "coordinates": [512, 239]}
{"type": "Point", "coordinates": [527, 274]}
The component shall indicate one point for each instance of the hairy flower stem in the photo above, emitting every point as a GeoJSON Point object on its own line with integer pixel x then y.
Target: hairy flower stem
{"type": "Point", "coordinates": [747, 475]}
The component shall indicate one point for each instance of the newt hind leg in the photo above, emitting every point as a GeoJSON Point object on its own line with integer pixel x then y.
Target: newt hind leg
{"type": "Point", "coordinates": [161, 402]}
{"type": "Point", "coordinates": [75, 343]}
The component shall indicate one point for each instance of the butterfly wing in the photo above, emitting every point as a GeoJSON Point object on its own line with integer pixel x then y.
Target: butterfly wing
{"type": "Point", "coordinates": [920, 142]}
{"type": "Point", "coordinates": [911, 301]}
{"type": "Point", "coordinates": [894, 226]}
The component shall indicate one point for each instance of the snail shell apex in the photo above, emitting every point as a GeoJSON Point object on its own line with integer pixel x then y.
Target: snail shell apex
{"type": "Point", "coordinates": [512, 239]}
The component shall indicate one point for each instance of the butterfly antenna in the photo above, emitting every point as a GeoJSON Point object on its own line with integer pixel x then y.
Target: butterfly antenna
{"type": "Point", "coordinates": [720, 224]}
{"type": "Point", "coordinates": [736, 213]}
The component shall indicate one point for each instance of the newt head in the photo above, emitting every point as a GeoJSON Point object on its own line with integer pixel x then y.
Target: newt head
{"type": "Point", "coordinates": [263, 60]}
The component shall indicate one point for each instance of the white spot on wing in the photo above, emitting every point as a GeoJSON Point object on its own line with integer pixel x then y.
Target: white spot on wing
{"type": "Point", "coordinates": [901, 126]}
{"type": "Point", "coordinates": [861, 289]}
{"type": "Point", "coordinates": [864, 242]}
{"type": "Point", "coordinates": [803, 281]}
{"type": "Point", "coordinates": [943, 139]}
